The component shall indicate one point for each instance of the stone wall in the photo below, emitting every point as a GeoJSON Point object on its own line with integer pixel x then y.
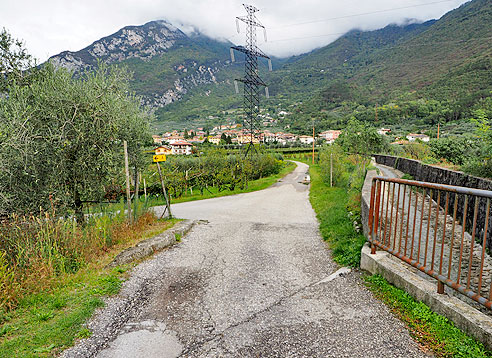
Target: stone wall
{"type": "Point", "coordinates": [428, 173]}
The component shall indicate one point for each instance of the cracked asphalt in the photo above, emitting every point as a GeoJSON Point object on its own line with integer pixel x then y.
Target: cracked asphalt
{"type": "Point", "coordinates": [256, 280]}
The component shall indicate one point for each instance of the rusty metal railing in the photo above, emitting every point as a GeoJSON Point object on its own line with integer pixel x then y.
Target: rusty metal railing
{"type": "Point", "coordinates": [442, 230]}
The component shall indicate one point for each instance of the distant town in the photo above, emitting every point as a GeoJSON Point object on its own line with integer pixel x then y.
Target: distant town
{"type": "Point", "coordinates": [182, 142]}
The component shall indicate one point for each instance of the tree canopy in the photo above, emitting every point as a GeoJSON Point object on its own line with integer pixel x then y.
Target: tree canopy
{"type": "Point", "coordinates": [61, 138]}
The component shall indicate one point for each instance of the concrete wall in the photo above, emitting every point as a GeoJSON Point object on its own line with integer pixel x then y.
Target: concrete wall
{"type": "Point", "coordinates": [365, 203]}
{"type": "Point", "coordinates": [428, 173]}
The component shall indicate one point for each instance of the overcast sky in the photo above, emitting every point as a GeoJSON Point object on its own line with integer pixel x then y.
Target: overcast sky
{"type": "Point", "coordinates": [293, 26]}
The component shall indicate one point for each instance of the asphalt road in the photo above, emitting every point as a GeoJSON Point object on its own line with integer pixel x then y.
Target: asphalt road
{"type": "Point", "coordinates": [256, 280]}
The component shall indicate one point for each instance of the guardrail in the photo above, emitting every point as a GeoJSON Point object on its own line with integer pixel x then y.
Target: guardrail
{"type": "Point", "coordinates": [418, 223]}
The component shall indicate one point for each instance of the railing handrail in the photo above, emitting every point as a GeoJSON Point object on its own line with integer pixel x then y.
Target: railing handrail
{"type": "Point", "coordinates": [386, 192]}
{"type": "Point", "coordinates": [451, 188]}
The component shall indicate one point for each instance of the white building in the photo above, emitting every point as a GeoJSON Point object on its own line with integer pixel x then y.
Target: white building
{"type": "Point", "coordinates": [306, 139]}
{"type": "Point", "coordinates": [384, 131]}
{"type": "Point", "coordinates": [181, 148]}
{"type": "Point", "coordinates": [330, 136]}
{"type": "Point", "coordinates": [414, 136]}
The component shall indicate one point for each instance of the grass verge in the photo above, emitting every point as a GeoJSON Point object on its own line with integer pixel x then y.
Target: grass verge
{"type": "Point", "coordinates": [434, 332]}
{"type": "Point", "coordinates": [45, 323]}
{"type": "Point", "coordinates": [335, 224]}
{"type": "Point", "coordinates": [430, 329]}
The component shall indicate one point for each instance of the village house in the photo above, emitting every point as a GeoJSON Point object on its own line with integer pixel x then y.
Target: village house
{"type": "Point", "coordinates": [306, 139]}
{"type": "Point", "coordinates": [246, 138]}
{"type": "Point", "coordinates": [384, 131]}
{"type": "Point", "coordinates": [174, 138]}
{"type": "Point", "coordinates": [330, 136]}
{"type": "Point", "coordinates": [284, 138]}
{"type": "Point", "coordinates": [214, 139]}
{"type": "Point", "coordinates": [414, 136]}
{"type": "Point", "coordinates": [269, 137]}
{"type": "Point", "coordinates": [157, 139]}
{"type": "Point", "coordinates": [401, 142]}
{"type": "Point", "coordinates": [163, 150]}
{"type": "Point", "coordinates": [181, 148]}
{"type": "Point", "coordinates": [196, 139]}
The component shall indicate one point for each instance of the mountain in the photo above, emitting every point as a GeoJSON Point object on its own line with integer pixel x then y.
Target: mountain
{"type": "Point", "coordinates": [416, 73]}
{"type": "Point", "coordinates": [341, 58]}
{"type": "Point", "coordinates": [395, 57]}
{"type": "Point", "coordinates": [166, 63]}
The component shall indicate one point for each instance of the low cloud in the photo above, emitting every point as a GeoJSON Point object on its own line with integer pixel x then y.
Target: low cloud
{"type": "Point", "coordinates": [293, 27]}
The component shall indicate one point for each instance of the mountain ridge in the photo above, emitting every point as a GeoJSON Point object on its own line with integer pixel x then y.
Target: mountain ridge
{"type": "Point", "coordinates": [190, 77]}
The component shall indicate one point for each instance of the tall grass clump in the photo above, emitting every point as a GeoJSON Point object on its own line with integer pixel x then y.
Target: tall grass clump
{"type": "Point", "coordinates": [338, 206]}
{"type": "Point", "coordinates": [36, 250]}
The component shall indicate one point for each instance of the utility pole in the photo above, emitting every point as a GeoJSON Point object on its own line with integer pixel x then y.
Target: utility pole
{"type": "Point", "coordinates": [251, 80]}
{"type": "Point", "coordinates": [313, 143]}
{"type": "Point", "coordinates": [438, 129]}
{"type": "Point", "coordinates": [331, 170]}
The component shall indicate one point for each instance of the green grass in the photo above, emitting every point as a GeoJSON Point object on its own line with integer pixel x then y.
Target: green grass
{"type": "Point", "coordinates": [335, 224]}
{"type": "Point", "coordinates": [46, 323]}
{"type": "Point", "coordinates": [428, 328]}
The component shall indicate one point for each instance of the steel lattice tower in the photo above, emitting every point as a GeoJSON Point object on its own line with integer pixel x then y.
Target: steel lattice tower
{"type": "Point", "coordinates": [251, 80]}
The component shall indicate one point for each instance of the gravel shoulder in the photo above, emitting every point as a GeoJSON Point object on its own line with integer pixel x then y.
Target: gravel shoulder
{"type": "Point", "coordinates": [254, 280]}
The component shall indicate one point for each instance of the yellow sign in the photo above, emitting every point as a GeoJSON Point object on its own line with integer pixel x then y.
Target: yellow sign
{"type": "Point", "coordinates": [159, 158]}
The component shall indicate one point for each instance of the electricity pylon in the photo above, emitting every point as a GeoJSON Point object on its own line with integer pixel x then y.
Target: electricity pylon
{"type": "Point", "coordinates": [251, 80]}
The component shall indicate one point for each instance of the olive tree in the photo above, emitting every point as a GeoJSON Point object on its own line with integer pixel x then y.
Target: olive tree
{"type": "Point", "coordinates": [362, 140]}
{"type": "Point", "coordinates": [61, 138]}
{"type": "Point", "coordinates": [15, 61]}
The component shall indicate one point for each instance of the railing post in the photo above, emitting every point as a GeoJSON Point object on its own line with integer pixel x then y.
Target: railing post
{"type": "Point", "coordinates": [471, 269]}
{"type": "Point", "coordinates": [374, 212]}
{"type": "Point", "coordinates": [440, 287]}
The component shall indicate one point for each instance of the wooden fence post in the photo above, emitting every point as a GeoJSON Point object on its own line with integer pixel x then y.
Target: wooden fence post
{"type": "Point", "coordinates": [168, 206]}
{"type": "Point", "coordinates": [331, 170]}
{"type": "Point", "coordinates": [127, 174]}
{"type": "Point", "coordinates": [135, 197]}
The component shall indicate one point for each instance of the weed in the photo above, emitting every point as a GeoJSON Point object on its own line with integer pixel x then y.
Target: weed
{"type": "Point", "coordinates": [430, 329]}
{"type": "Point", "coordinates": [84, 333]}
{"type": "Point", "coordinates": [107, 285]}
{"type": "Point", "coordinates": [177, 236]}
{"type": "Point", "coordinates": [5, 329]}
{"type": "Point", "coordinates": [45, 349]}
{"type": "Point", "coordinates": [42, 315]}
{"type": "Point", "coordinates": [58, 302]}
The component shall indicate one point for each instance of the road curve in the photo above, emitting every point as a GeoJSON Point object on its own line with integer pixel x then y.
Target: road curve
{"type": "Point", "coordinates": [255, 280]}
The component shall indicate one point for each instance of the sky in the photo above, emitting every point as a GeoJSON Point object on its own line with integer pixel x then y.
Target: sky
{"type": "Point", "coordinates": [293, 27]}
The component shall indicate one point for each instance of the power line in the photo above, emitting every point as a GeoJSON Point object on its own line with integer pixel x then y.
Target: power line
{"type": "Point", "coordinates": [344, 33]}
{"type": "Point", "coordinates": [360, 14]}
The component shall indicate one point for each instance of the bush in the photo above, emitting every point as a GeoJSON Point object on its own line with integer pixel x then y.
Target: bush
{"type": "Point", "coordinates": [35, 250]}
{"type": "Point", "coordinates": [452, 149]}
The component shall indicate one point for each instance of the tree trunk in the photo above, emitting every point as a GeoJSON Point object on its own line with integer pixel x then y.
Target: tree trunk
{"type": "Point", "coordinates": [78, 207]}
